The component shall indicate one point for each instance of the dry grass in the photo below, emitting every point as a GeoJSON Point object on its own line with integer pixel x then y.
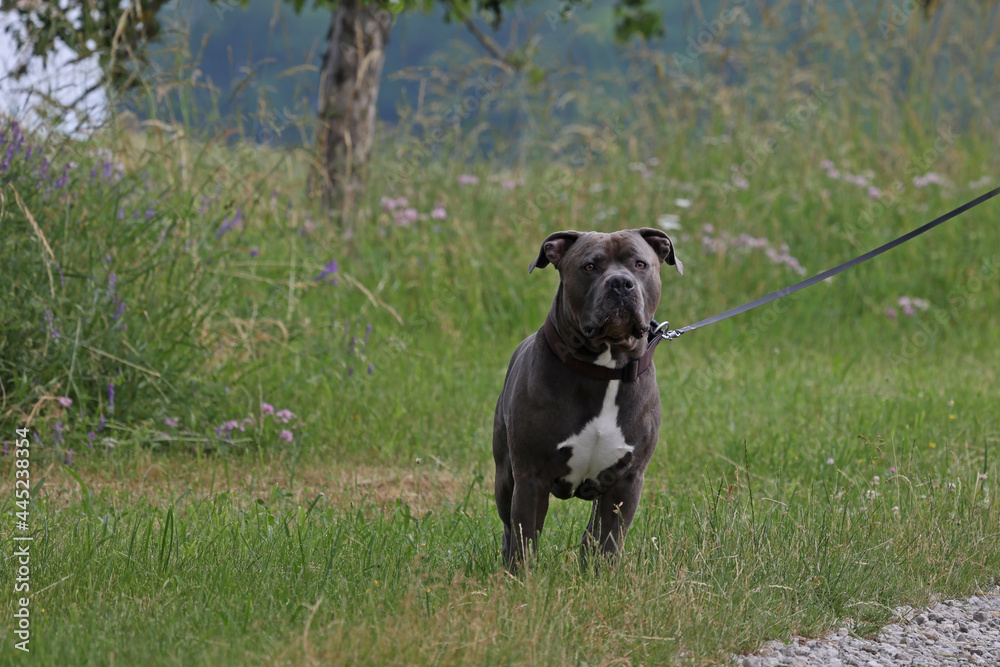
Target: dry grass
{"type": "Point", "coordinates": [161, 481]}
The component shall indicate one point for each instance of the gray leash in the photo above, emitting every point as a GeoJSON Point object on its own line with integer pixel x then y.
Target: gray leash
{"type": "Point", "coordinates": [663, 332]}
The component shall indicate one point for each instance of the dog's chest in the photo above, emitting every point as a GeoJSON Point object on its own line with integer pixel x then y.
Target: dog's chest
{"type": "Point", "coordinates": [599, 445]}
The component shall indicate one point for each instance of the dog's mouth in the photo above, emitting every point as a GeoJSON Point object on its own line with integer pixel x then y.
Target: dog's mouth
{"type": "Point", "coordinates": [621, 325]}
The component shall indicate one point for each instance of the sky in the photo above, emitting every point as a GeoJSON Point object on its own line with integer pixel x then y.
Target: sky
{"type": "Point", "coordinates": [62, 82]}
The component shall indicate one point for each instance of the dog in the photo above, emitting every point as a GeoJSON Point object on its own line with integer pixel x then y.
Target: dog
{"type": "Point", "coordinates": [579, 413]}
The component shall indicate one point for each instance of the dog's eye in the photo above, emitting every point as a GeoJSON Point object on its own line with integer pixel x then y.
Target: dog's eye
{"type": "Point", "coordinates": [640, 264]}
{"type": "Point", "coordinates": [589, 267]}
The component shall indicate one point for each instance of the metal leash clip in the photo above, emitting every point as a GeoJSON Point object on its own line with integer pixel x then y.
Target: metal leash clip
{"type": "Point", "coordinates": [667, 332]}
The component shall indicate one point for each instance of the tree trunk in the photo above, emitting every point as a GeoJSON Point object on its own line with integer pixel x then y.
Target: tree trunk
{"type": "Point", "coordinates": [348, 90]}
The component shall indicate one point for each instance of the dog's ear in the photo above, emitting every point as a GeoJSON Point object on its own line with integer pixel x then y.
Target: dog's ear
{"type": "Point", "coordinates": [553, 248]}
{"type": "Point", "coordinates": [662, 246]}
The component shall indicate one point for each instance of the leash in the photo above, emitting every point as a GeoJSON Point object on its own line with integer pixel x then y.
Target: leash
{"type": "Point", "coordinates": [663, 331]}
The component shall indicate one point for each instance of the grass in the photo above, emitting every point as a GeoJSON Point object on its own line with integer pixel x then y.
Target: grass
{"type": "Point", "coordinates": [819, 460]}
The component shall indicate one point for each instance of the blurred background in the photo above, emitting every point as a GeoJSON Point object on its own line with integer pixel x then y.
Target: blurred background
{"type": "Point", "coordinates": [278, 250]}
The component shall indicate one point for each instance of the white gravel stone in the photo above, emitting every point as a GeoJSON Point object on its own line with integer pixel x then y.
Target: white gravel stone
{"type": "Point", "coordinates": [952, 632]}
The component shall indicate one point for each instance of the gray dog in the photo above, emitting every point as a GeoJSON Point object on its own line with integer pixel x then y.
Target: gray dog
{"type": "Point", "coordinates": [579, 413]}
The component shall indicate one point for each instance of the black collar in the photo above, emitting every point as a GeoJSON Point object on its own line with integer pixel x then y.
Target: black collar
{"type": "Point", "coordinates": [630, 372]}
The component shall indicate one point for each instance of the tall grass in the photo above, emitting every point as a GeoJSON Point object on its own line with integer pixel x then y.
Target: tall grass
{"type": "Point", "coordinates": [821, 459]}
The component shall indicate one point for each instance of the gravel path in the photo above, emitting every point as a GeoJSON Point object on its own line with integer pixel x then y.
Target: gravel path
{"type": "Point", "coordinates": [952, 633]}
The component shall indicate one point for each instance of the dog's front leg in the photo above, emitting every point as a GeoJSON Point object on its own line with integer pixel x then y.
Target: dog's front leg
{"type": "Point", "coordinates": [527, 517]}
{"type": "Point", "coordinates": [611, 516]}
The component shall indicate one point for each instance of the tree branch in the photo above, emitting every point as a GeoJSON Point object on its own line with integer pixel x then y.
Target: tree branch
{"type": "Point", "coordinates": [486, 41]}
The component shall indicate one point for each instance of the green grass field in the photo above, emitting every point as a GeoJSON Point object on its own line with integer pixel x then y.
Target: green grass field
{"type": "Point", "coordinates": [821, 459]}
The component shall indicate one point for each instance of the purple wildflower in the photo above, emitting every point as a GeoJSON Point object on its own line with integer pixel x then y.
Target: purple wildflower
{"type": "Point", "coordinates": [65, 401]}
{"type": "Point", "coordinates": [438, 213]}
{"type": "Point", "coordinates": [5, 450]}
{"type": "Point", "coordinates": [284, 415]}
{"type": "Point", "coordinates": [406, 216]}
{"type": "Point", "coordinates": [286, 435]}
{"type": "Point", "coordinates": [371, 368]}
{"type": "Point", "coordinates": [50, 323]}
{"type": "Point", "coordinates": [390, 204]}
{"type": "Point", "coordinates": [68, 459]}
{"type": "Point", "coordinates": [468, 179]}
{"type": "Point", "coordinates": [58, 437]}
{"type": "Point", "coordinates": [228, 225]}
{"type": "Point", "coordinates": [329, 269]}
{"type": "Point", "coordinates": [150, 213]}
{"type": "Point", "coordinates": [350, 371]}
{"type": "Point", "coordinates": [254, 252]}
{"type": "Point", "coordinates": [111, 396]}
{"type": "Point", "coordinates": [891, 313]}
{"type": "Point", "coordinates": [100, 424]}
{"type": "Point", "coordinates": [112, 281]}
{"type": "Point", "coordinates": [62, 278]}
{"type": "Point", "coordinates": [782, 257]}
{"type": "Point", "coordinates": [266, 409]}
{"type": "Point", "coordinates": [874, 192]}
{"type": "Point", "coordinates": [90, 439]}
{"type": "Point", "coordinates": [930, 178]}
{"type": "Point", "coordinates": [171, 422]}
{"type": "Point", "coordinates": [508, 184]}
{"type": "Point", "coordinates": [119, 310]}
{"type": "Point", "coordinates": [911, 304]}
{"type": "Point", "coordinates": [225, 429]}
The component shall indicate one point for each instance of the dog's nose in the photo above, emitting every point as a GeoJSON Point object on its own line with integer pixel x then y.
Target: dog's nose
{"type": "Point", "coordinates": [621, 284]}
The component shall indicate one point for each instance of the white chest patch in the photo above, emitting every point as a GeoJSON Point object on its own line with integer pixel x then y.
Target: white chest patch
{"type": "Point", "coordinates": [600, 444]}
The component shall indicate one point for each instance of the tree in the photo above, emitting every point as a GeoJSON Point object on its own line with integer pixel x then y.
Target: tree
{"type": "Point", "coordinates": [352, 70]}
{"type": "Point", "coordinates": [116, 33]}
{"type": "Point", "coordinates": [350, 75]}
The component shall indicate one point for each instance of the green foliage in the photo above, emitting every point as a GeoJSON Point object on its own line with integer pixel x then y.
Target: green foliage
{"type": "Point", "coordinates": [117, 33]}
{"type": "Point", "coordinates": [762, 503]}
{"type": "Point", "coordinates": [113, 284]}
{"type": "Point", "coordinates": [346, 578]}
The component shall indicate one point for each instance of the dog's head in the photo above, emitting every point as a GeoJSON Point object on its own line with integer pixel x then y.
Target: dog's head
{"type": "Point", "coordinates": [609, 283]}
